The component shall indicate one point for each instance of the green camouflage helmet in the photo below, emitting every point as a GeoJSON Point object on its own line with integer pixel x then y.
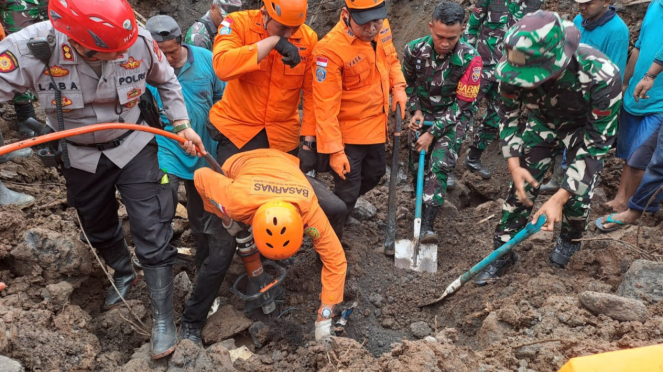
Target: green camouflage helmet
{"type": "Point", "coordinates": [537, 49]}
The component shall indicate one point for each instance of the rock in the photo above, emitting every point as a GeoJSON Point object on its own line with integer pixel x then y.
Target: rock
{"type": "Point", "coordinates": [181, 211]}
{"type": "Point", "coordinates": [58, 294]}
{"type": "Point", "coordinates": [364, 210]}
{"type": "Point", "coordinates": [484, 209]}
{"type": "Point", "coordinates": [388, 323]}
{"type": "Point", "coordinates": [225, 323]}
{"type": "Point", "coordinates": [182, 287]}
{"type": "Point", "coordinates": [447, 336]}
{"type": "Point", "coordinates": [228, 344]}
{"type": "Point", "coordinates": [220, 357]}
{"type": "Point", "coordinates": [527, 352]}
{"type": "Point", "coordinates": [402, 176]}
{"type": "Point", "coordinates": [242, 353]}
{"type": "Point", "coordinates": [420, 329]}
{"type": "Point", "coordinates": [52, 255]}
{"type": "Point", "coordinates": [260, 334]}
{"type": "Point", "coordinates": [189, 357]}
{"type": "Point", "coordinates": [596, 286]}
{"type": "Point", "coordinates": [430, 339]}
{"type": "Point", "coordinates": [351, 221]}
{"type": "Point", "coordinates": [10, 365]}
{"type": "Point", "coordinates": [448, 210]}
{"type": "Point", "coordinates": [489, 189]}
{"type": "Point", "coordinates": [492, 330]}
{"type": "Point", "coordinates": [616, 307]}
{"type": "Point", "coordinates": [375, 299]}
{"type": "Point", "coordinates": [179, 226]}
{"type": "Point", "coordinates": [643, 281]}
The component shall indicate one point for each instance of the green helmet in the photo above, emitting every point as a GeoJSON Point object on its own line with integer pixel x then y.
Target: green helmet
{"type": "Point", "coordinates": [537, 49]}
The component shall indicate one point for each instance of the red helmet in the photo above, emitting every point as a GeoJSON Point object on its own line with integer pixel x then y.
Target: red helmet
{"type": "Point", "coordinates": [106, 26]}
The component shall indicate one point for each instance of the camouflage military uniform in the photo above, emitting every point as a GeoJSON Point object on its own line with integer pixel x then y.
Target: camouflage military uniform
{"type": "Point", "coordinates": [486, 28]}
{"type": "Point", "coordinates": [199, 32]}
{"type": "Point", "coordinates": [16, 15]}
{"type": "Point", "coordinates": [576, 110]}
{"type": "Point", "coordinates": [444, 89]}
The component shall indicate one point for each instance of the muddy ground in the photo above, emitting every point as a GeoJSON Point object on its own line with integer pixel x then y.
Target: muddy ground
{"type": "Point", "coordinates": [533, 319]}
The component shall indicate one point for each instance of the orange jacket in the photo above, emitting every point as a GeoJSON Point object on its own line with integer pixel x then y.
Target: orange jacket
{"type": "Point", "coordinates": [261, 95]}
{"type": "Point", "coordinates": [351, 87]}
{"type": "Point", "coordinates": [244, 188]}
{"type": "Point", "coordinates": [2, 33]}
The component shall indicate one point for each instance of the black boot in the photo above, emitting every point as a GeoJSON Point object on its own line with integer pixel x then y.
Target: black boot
{"type": "Point", "coordinates": [563, 251]}
{"type": "Point", "coordinates": [497, 268]}
{"type": "Point", "coordinates": [164, 334]}
{"type": "Point", "coordinates": [119, 259]}
{"type": "Point", "coordinates": [428, 235]}
{"type": "Point", "coordinates": [191, 332]}
{"type": "Point", "coordinates": [451, 180]}
{"type": "Point", "coordinates": [24, 111]}
{"type": "Point", "coordinates": [22, 153]}
{"type": "Point", "coordinates": [9, 197]}
{"type": "Point", "coordinates": [473, 163]}
{"type": "Point", "coordinates": [556, 181]}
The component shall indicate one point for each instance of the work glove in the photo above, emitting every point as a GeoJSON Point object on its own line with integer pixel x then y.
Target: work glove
{"type": "Point", "coordinates": [289, 52]}
{"type": "Point", "coordinates": [308, 159]}
{"type": "Point", "coordinates": [339, 163]}
{"type": "Point", "coordinates": [399, 97]}
{"type": "Point", "coordinates": [323, 331]}
{"type": "Point", "coordinates": [234, 228]}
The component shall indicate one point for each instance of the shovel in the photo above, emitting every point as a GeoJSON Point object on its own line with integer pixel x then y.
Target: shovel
{"type": "Point", "coordinates": [411, 254]}
{"type": "Point", "coordinates": [393, 180]}
{"type": "Point", "coordinates": [523, 234]}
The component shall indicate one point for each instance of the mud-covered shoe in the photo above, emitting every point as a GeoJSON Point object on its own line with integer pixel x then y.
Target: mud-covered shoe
{"type": "Point", "coordinates": [164, 334]}
{"type": "Point", "coordinates": [118, 258]}
{"type": "Point", "coordinates": [451, 180]}
{"type": "Point", "coordinates": [562, 252]}
{"type": "Point", "coordinates": [473, 163]}
{"type": "Point", "coordinates": [556, 181]}
{"type": "Point", "coordinates": [428, 235]}
{"type": "Point", "coordinates": [496, 269]}
{"type": "Point", "coordinates": [191, 332]}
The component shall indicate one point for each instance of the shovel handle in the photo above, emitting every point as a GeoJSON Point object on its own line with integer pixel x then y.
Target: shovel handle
{"type": "Point", "coordinates": [390, 239]}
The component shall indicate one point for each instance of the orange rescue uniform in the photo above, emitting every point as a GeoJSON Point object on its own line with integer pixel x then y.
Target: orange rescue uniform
{"type": "Point", "coordinates": [263, 94]}
{"type": "Point", "coordinates": [351, 87]}
{"type": "Point", "coordinates": [2, 33]}
{"type": "Point", "coordinates": [256, 177]}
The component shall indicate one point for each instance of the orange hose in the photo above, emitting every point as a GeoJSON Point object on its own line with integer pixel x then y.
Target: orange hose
{"type": "Point", "coordinates": [95, 128]}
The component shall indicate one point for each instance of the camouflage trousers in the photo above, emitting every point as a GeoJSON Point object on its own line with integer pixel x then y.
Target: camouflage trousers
{"type": "Point", "coordinates": [538, 154]}
{"type": "Point", "coordinates": [486, 132]}
{"type": "Point", "coordinates": [440, 160]}
{"type": "Point", "coordinates": [16, 15]}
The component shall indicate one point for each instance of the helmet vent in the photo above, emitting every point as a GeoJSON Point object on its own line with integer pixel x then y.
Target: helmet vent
{"type": "Point", "coordinates": [283, 230]}
{"type": "Point", "coordinates": [55, 16]}
{"type": "Point", "coordinates": [275, 221]}
{"type": "Point", "coordinates": [108, 24]}
{"type": "Point", "coordinates": [277, 9]}
{"type": "Point", "coordinates": [269, 232]}
{"type": "Point", "coordinates": [64, 3]}
{"type": "Point", "coordinates": [96, 19]}
{"type": "Point", "coordinates": [74, 13]}
{"type": "Point", "coordinates": [286, 243]}
{"type": "Point", "coordinates": [97, 40]}
{"type": "Point", "coordinates": [270, 246]}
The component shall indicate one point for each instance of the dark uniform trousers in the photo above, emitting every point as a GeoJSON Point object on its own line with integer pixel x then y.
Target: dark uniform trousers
{"type": "Point", "coordinates": [214, 267]}
{"type": "Point", "coordinates": [147, 198]}
{"type": "Point", "coordinates": [367, 166]}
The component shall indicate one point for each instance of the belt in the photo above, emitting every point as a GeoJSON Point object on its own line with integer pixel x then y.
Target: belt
{"type": "Point", "coordinates": [104, 145]}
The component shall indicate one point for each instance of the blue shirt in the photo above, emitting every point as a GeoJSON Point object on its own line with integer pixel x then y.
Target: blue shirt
{"type": "Point", "coordinates": [201, 89]}
{"type": "Point", "coordinates": [611, 39]}
{"type": "Point", "coordinates": [649, 43]}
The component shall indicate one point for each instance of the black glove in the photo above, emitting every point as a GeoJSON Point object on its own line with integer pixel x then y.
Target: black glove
{"type": "Point", "coordinates": [289, 52]}
{"type": "Point", "coordinates": [308, 160]}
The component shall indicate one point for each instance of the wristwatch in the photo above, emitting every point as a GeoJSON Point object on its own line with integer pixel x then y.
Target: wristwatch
{"type": "Point", "coordinates": [181, 127]}
{"type": "Point", "coordinates": [311, 144]}
{"type": "Point", "coordinates": [325, 312]}
{"type": "Point", "coordinates": [647, 74]}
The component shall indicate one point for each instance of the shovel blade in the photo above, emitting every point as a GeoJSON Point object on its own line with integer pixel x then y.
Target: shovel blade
{"type": "Point", "coordinates": [426, 258]}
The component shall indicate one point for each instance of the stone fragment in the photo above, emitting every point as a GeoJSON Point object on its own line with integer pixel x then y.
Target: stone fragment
{"type": "Point", "coordinates": [420, 329]}
{"type": "Point", "coordinates": [643, 281]}
{"type": "Point", "coordinates": [616, 307]}
{"type": "Point", "coordinates": [375, 299]}
{"type": "Point", "coordinates": [364, 210]}
{"type": "Point", "coordinates": [228, 344]}
{"type": "Point", "coordinates": [225, 323]}
{"type": "Point", "coordinates": [242, 353]}
{"type": "Point", "coordinates": [220, 357]}
{"type": "Point", "coordinates": [492, 330]}
{"type": "Point", "coordinates": [58, 294]}
{"type": "Point", "coordinates": [259, 334]}
{"type": "Point", "coordinates": [10, 365]}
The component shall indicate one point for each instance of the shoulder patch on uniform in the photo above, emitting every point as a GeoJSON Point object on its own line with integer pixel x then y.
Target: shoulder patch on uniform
{"type": "Point", "coordinates": [320, 74]}
{"type": "Point", "coordinates": [312, 233]}
{"type": "Point", "coordinates": [67, 54]}
{"type": "Point", "coordinates": [157, 51]}
{"type": "Point", "coordinates": [384, 31]}
{"type": "Point", "coordinates": [321, 61]}
{"type": "Point", "coordinates": [8, 62]}
{"type": "Point", "coordinates": [65, 102]}
{"type": "Point", "coordinates": [131, 63]}
{"type": "Point", "coordinates": [225, 30]}
{"type": "Point", "coordinates": [476, 74]}
{"type": "Point", "coordinates": [57, 71]}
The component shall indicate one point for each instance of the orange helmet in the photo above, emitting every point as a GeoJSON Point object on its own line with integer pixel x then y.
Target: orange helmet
{"type": "Point", "coordinates": [291, 13]}
{"type": "Point", "coordinates": [278, 230]}
{"type": "Point", "coordinates": [362, 4]}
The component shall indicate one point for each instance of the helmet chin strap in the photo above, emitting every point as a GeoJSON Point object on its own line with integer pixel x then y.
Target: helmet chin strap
{"type": "Point", "coordinates": [90, 53]}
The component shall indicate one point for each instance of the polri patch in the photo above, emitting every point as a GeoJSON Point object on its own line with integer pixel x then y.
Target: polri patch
{"type": "Point", "coordinates": [136, 92]}
{"type": "Point", "coordinates": [8, 62]}
{"type": "Point", "coordinates": [131, 104]}
{"type": "Point", "coordinates": [57, 71]}
{"type": "Point", "coordinates": [65, 102]}
{"type": "Point", "coordinates": [321, 74]}
{"type": "Point", "coordinates": [312, 233]}
{"type": "Point", "coordinates": [157, 51]}
{"type": "Point", "coordinates": [131, 63]}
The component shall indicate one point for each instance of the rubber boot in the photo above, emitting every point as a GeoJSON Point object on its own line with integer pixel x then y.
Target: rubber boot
{"type": "Point", "coordinates": [497, 268]}
{"type": "Point", "coordinates": [556, 181]}
{"type": "Point", "coordinates": [164, 334]}
{"type": "Point", "coordinates": [9, 197]}
{"type": "Point", "coordinates": [473, 163]}
{"type": "Point", "coordinates": [428, 215]}
{"type": "Point", "coordinates": [24, 111]}
{"type": "Point", "coordinates": [22, 153]}
{"type": "Point", "coordinates": [119, 259]}
{"type": "Point", "coordinates": [563, 251]}
{"type": "Point", "coordinates": [191, 332]}
{"type": "Point", "coordinates": [451, 180]}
